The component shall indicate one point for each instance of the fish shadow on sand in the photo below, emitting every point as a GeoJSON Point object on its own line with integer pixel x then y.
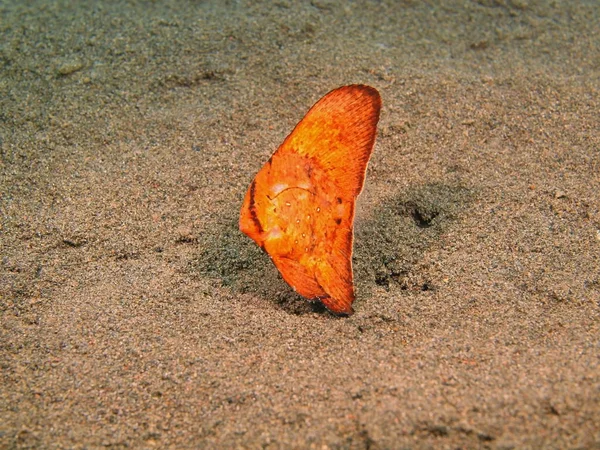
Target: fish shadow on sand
{"type": "Point", "coordinates": [386, 247]}
{"type": "Point", "coordinates": [389, 243]}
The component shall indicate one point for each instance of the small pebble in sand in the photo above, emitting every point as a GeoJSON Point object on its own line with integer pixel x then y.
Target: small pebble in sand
{"type": "Point", "coordinates": [69, 67]}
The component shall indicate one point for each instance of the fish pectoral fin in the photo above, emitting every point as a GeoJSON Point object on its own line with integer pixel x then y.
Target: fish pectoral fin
{"type": "Point", "coordinates": [299, 277]}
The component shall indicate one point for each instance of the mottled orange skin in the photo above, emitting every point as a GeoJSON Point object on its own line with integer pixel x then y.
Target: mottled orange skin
{"type": "Point", "coordinates": [300, 206]}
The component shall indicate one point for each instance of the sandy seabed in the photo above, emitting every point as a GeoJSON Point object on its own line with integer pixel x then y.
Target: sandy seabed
{"type": "Point", "coordinates": [134, 314]}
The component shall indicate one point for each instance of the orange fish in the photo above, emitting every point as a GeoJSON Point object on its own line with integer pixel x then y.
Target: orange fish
{"type": "Point", "coordinates": [300, 206]}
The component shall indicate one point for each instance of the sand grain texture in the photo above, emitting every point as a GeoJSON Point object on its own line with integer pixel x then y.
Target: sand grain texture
{"type": "Point", "coordinates": [134, 314]}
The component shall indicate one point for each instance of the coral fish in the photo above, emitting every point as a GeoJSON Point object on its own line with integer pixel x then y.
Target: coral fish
{"type": "Point", "coordinates": [300, 207]}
